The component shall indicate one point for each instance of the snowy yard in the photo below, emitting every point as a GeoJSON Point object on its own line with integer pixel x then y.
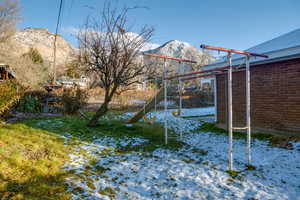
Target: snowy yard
{"type": "Point", "coordinates": [195, 171]}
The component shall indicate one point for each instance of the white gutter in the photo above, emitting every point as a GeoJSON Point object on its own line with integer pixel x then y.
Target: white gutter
{"type": "Point", "coordinates": [274, 56]}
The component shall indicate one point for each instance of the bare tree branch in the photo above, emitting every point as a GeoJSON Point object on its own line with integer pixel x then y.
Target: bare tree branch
{"type": "Point", "coordinates": [109, 50]}
{"type": "Point", "coordinates": [9, 15]}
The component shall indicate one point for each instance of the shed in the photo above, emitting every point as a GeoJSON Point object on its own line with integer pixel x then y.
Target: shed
{"type": "Point", "coordinates": [275, 87]}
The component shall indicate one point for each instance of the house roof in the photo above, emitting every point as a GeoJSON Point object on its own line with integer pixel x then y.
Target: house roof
{"type": "Point", "coordinates": [284, 47]}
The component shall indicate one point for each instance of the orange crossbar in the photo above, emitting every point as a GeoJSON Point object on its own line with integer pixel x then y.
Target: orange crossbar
{"type": "Point", "coordinates": [199, 72]}
{"type": "Point", "coordinates": [203, 46]}
{"type": "Point", "coordinates": [169, 58]}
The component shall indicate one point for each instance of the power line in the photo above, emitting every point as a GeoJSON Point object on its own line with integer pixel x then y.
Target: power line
{"type": "Point", "coordinates": [63, 16]}
{"type": "Point", "coordinates": [55, 38]}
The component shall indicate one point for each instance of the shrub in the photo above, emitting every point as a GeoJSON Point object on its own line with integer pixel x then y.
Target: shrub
{"type": "Point", "coordinates": [30, 104]}
{"type": "Point", "coordinates": [34, 56]}
{"type": "Point", "coordinates": [73, 99]}
{"type": "Point", "coordinates": [9, 95]}
{"type": "Point", "coordinates": [73, 69]}
{"type": "Point", "coordinates": [29, 71]}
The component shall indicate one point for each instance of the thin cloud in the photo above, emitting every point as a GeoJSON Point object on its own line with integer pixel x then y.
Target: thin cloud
{"type": "Point", "coordinates": [71, 30]}
{"type": "Point", "coordinates": [75, 31]}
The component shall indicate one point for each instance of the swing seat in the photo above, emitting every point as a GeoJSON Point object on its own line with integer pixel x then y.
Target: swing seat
{"type": "Point", "coordinates": [146, 119]}
{"type": "Point", "coordinates": [175, 114]}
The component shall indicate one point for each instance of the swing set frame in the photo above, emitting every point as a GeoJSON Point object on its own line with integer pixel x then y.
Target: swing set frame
{"type": "Point", "coordinates": [230, 69]}
{"type": "Point", "coordinates": [214, 72]}
{"type": "Point", "coordinates": [165, 85]}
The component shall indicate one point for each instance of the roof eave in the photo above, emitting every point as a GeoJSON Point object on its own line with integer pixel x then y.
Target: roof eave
{"type": "Point", "coordinates": [288, 53]}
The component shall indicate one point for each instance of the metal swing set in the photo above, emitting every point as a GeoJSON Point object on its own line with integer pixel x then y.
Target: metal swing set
{"type": "Point", "coordinates": [230, 69]}
{"type": "Point", "coordinates": [165, 86]}
{"type": "Point", "coordinates": [209, 73]}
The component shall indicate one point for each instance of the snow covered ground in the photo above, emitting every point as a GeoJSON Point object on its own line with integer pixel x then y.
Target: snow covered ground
{"type": "Point", "coordinates": [195, 171]}
{"type": "Point", "coordinates": [198, 111]}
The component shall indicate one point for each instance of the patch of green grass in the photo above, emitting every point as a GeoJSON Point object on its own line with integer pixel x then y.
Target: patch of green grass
{"type": "Point", "coordinates": [110, 114]}
{"type": "Point", "coordinates": [78, 128]}
{"type": "Point", "coordinates": [69, 125]}
{"type": "Point", "coordinates": [90, 184]}
{"type": "Point", "coordinates": [206, 163]}
{"type": "Point", "coordinates": [108, 192]}
{"type": "Point", "coordinates": [199, 151]}
{"type": "Point", "coordinates": [115, 113]}
{"type": "Point", "coordinates": [100, 170]}
{"type": "Point", "coordinates": [190, 160]}
{"type": "Point", "coordinates": [250, 167]}
{"type": "Point", "coordinates": [154, 133]}
{"type": "Point", "coordinates": [32, 153]}
{"type": "Point", "coordinates": [210, 127]}
{"type": "Point", "coordinates": [233, 173]}
{"type": "Point", "coordinates": [31, 161]}
{"type": "Point", "coordinates": [78, 190]}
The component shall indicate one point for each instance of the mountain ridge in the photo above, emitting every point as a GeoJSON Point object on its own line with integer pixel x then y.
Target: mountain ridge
{"type": "Point", "coordinates": [43, 40]}
{"type": "Point", "coordinates": [183, 50]}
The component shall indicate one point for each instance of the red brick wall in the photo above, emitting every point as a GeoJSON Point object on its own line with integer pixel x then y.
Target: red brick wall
{"type": "Point", "coordinates": [275, 97]}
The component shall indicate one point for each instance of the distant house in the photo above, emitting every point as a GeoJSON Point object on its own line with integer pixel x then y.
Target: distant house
{"type": "Point", "coordinates": [275, 87]}
{"type": "Point", "coordinates": [82, 82]}
{"type": "Point", "coordinates": [6, 72]}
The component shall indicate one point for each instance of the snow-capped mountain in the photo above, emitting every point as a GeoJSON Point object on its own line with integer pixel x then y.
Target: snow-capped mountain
{"type": "Point", "coordinates": [179, 49]}
{"type": "Point", "coordinates": [149, 46]}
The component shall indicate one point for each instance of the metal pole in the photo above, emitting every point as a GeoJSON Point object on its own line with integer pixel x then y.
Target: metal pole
{"type": "Point", "coordinates": [155, 105]}
{"type": "Point", "coordinates": [248, 110]}
{"type": "Point", "coordinates": [180, 96]}
{"type": "Point", "coordinates": [230, 158]}
{"type": "Point", "coordinates": [165, 102]}
{"type": "Point", "coordinates": [180, 90]}
{"type": "Point", "coordinates": [215, 98]}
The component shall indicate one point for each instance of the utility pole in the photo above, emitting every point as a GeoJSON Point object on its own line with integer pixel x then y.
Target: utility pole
{"type": "Point", "coordinates": [55, 39]}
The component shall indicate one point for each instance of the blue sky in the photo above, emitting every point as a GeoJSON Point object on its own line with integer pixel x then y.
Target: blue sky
{"type": "Point", "coordinates": [237, 24]}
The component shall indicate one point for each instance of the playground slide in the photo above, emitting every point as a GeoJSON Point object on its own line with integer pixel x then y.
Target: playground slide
{"type": "Point", "coordinates": [148, 107]}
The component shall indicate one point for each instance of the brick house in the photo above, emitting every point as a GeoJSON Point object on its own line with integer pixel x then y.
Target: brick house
{"type": "Point", "coordinates": [275, 87]}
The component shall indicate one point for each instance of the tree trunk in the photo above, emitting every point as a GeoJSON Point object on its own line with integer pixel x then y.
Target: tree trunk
{"type": "Point", "coordinates": [104, 107]}
{"type": "Point", "coordinates": [100, 112]}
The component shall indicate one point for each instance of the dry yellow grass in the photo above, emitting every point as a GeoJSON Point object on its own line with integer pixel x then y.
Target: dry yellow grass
{"type": "Point", "coordinates": [31, 161]}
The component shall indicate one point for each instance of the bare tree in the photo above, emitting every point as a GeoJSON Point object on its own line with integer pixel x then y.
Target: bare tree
{"type": "Point", "coordinates": [109, 50]}
{"type": "Point", "coordinates": [9, 14]}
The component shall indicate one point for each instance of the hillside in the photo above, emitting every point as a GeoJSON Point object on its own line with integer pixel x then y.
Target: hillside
{"type": "Point", "coordinates": [16, 53]}
{"type": "Point", "coordinates": [43, 41]}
